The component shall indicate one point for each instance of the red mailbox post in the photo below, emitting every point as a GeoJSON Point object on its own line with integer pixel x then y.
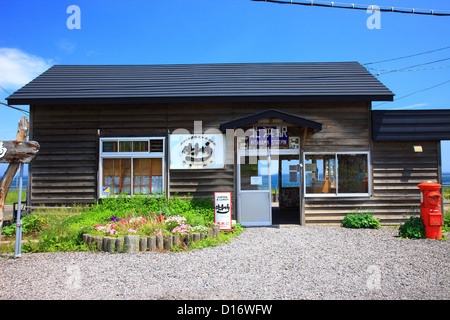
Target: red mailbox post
{"type": "Point", "coordinates": [430, 209]}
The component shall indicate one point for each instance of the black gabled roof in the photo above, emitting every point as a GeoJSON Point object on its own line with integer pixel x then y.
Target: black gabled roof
{"type": "Point", "coordinates": [272, 113]}
{"type": "Point", "coordinates": [232, 82]}
{"type": "Point", "coordinates": [410, 125]}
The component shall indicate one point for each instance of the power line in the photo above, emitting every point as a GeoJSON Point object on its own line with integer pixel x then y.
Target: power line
{"type": "Point", "coordinates": [4, 89]}
{"type": "Point", "coordinates": [15, 108]}
{"type": "Point", "coordinates": [408, 68]}
{"type": "Point", "coordinates": [437, 85]}
{"type": "Point", "coordinates": [363, 7]}
{"type": "Point", "coordinates": [404, 57]}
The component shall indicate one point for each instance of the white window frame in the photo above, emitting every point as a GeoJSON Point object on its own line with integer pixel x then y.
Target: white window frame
{"type": "Point", "coordinates": [130, 155]}
{"type": "Point", "coordinates": [337, 194]}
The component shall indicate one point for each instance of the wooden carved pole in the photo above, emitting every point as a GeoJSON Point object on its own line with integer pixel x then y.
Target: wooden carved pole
{"type": "Point", "coordinates": [5, 182]}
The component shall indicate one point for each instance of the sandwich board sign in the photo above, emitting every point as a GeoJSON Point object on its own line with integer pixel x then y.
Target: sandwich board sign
{"type": "Point", "coordinates": [222, 210]}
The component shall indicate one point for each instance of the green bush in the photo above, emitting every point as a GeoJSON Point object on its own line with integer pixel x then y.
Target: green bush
{"type": "Point", "coordinates": [361, 220]}
{"type": "Point", "coordinates": [143, 205]}
{"type": "Point", "coordinates": [30, 223]}
{"type": "Point", "coordinates": [446, 226]}
{"type": "Point", "coordinates": [414, 228]}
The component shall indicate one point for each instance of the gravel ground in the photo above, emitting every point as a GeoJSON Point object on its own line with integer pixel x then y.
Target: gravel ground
{"type": "Point", "coordinates": [308, 262]}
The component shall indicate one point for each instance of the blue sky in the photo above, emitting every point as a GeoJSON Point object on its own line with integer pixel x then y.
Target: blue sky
{"type": "Point", "coordinates": [35, 36]}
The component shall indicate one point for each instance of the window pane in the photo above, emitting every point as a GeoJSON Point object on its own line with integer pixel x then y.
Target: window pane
{"type": "Point", "coordinates": [117, 175]}
{"type": "Point", "coordinates": [109, 146]}
{"type": "Point", "coordinates": [147, 175]}
{"type": "Point", "coordinates": [141, 173]}
{"type": "Point", "coordinates": [157, 145]}
{"type": "Point", "coordinates": [320, 174]}
{"type": "Point", "coordinates": [353, 175]}
{"type": "Point", "coordinates": [156, 184]}
{"type": "Point", "coordinates": [125, 146]}
{"type": "Point", "coordinates": [156, 180]}
{"type": "Point", "coordinates": [125, 176]}
{"type": "Point", "coordinates": [156, 167]}
{"type": "Point", "coordinates": [140, 146]}
{"type": "Point", "coordinates": [254, 173]}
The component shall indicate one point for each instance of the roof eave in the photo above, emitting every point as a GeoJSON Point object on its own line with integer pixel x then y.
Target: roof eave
{"type": "Point", "coordinates": [195, 99]}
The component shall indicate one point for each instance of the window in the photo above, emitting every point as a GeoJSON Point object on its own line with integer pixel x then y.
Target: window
{"type": "Point", "coordinates": [336, 174]}
{"type": "Point", "coordinates": [131, 166]}
{"type": "Point", "coordinates": [254, 173]}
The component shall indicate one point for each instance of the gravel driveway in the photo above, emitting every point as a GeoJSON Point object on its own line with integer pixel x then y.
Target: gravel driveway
{"type": "Point", "coordinates": [307, 262]}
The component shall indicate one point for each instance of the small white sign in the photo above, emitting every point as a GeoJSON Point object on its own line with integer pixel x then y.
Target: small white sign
{"type": "Point", "coordinates": [222, 210]}
{"type": "Point", "coordinates": [256, 181]}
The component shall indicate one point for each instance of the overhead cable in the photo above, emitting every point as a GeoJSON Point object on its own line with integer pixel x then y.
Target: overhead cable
{"type": "Point", "coordinates": [437, 85]}
{"type": "Point", "coordinates": [362, 7]}
{"type": "Point", "coordinates": [409, 68]}
{"type": "Point", "coordinates": [404, 57]}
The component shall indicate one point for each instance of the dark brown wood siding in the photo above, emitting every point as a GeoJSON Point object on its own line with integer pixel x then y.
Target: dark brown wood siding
{"type": "Point", "coordinates": [397, 170]}
{"type": "Point", "coordinates": [67, 167]}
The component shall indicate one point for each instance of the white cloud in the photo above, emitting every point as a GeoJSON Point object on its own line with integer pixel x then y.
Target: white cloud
{"type": "Point", "coordinates": [413, 106]}
{"type": "Point", "coordinates": [17, 67]}
{"type": "Point", "coordinates": [66, 46]}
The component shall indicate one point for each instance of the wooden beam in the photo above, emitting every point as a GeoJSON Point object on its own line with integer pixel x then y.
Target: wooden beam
{"type": "Point", "coordinates": [5, 182]}
{"type": "Point", "coordinates": [18, 151]}
{"type": "Point", "coordinates": [305, 132]}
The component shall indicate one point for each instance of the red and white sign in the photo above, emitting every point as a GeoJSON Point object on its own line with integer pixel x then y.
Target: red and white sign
{"type": "Point", "coordinates": [222, 210]}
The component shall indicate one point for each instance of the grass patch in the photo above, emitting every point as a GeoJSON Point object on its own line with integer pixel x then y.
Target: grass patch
{"type": "Point", "coordinates": [13, 196]}
{"type": "Point", "coordinates": [446, 226]}
{"type": "Point", "coordinates": [446, 193]}
{"type": "Point", "coordinates": [62, 229]}
{"type": "Point", "coordinates": [224, 237]}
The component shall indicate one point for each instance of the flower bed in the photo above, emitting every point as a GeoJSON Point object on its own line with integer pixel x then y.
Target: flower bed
{"type": "Point", "coordinates": [155, 242]}
{"type": "Point", "coordinates": [151, 233]}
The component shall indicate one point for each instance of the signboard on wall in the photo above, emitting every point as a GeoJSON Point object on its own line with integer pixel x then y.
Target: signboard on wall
{"type": "Point", "coordinates": [222, 210]}
{"type": "Point", "coordinates": [269, 136]}
{"type": "Point", "coordinates": [197, 151]}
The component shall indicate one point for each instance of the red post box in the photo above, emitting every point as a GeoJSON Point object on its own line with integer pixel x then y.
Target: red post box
{"type": "Point", "coordinates": [430, 209]}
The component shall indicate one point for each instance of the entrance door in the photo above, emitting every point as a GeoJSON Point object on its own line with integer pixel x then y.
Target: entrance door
{"type": "Point", "coordinates": [285, 176]}
{"type": "Point", "coordinates": [254, 190]}
{"type": "Point", "coordinates": [269, 189]}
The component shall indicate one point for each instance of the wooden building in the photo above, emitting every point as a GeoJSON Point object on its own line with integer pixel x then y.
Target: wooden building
{"type": "Point", "coordinates": [292, 142]}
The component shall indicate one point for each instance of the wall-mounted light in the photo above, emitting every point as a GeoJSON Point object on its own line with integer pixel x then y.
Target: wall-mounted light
{"type": "Point", "coordinates": [418, 148]}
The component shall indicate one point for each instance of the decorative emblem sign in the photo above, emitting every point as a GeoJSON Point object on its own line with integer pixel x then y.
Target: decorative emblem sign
{"type": "Point", "coordinates": [201, 151]}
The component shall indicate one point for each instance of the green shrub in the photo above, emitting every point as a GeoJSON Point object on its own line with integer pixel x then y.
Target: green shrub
{"type": "Point", "coordinates": [414, 228]}
{"type": "Point", "coordinates": [446, 226]}
{"type": "Point", "coordinates": [361, 220]}
{"type": "Point", "coordinates": [122, 206]}
{"type": "Point", "coordinates": [30, 223]}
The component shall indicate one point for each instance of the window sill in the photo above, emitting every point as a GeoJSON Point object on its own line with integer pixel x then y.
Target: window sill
{"type": "Point", "coordinates": [345, 195]}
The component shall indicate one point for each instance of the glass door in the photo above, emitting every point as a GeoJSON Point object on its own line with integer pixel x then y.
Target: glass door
{"type": "Point", "coordinates": [254, 190]}
{"type": "Point", "coordinates": [287, 175]}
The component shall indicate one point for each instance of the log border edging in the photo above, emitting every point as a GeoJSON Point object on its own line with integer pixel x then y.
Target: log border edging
{"type": "Point", "coordinates": [136, 243]}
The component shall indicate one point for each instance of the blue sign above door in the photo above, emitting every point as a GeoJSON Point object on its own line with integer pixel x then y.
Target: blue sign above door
{"type": "Point", "coordinates": [268, 136]}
